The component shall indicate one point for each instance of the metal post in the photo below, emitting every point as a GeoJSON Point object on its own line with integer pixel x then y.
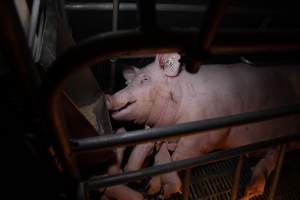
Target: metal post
{"type": "Point", "coordinates": [276, 177]}
{"type": "Point", "coordinates": [115, 17]}
{"type": "Point", "coordinates": [236, 179]}
{"type": "Point", "coordinates": [33, 22]}
{"type": "Point", "coordinates": [186, 184]}
{"type": "Point", "coordinates": [210, 25]}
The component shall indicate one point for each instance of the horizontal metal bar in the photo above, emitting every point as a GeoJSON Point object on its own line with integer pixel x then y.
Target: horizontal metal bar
{"type": "Point", "coordinates": [188, 163]}
{"type": "Point", "coordinates": [146, 135]}
{"type": "Point", "coordinates": [169, 8]}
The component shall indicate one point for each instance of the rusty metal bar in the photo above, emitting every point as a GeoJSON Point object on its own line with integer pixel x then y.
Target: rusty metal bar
{"type": "Point", "coordinates": [188, 163]}
{"type": "Point", "coordinates": [186, 184]}
{"type": "Point", "coordinates": [236, 179]}
{"type": "Point", "coordinates": [276, 176]}
{"type": "Point", "coordinates": [209, 28]}
{"type": "Point", "coordinates": [146, 15]}
{"type": "Point", "coordinates": [197, 127]}
{"type": "Point", "coordinates": [212, 21]}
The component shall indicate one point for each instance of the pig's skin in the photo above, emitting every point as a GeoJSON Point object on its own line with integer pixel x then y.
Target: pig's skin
{"type": "Point", "coordinates": [138, 156]}
{"type": "Point", "coordinates": [171, 181]}
{"type": "Point", "coordinates": [216, 90]}
{"type": "Point", "coordinates": [119, 192]}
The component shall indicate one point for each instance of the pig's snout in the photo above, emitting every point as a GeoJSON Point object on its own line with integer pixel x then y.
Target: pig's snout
{"type": "Point", "coordinates": [108, 102]}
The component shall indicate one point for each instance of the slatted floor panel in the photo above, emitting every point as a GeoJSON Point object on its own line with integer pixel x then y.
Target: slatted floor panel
{"type": "Point", "coordinates": [213, 182]}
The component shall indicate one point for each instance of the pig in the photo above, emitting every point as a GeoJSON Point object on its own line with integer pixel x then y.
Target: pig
{"type": "Point", "coordinates": [119, 192]}
{"type": "Point", "coordinates": [164, 93]}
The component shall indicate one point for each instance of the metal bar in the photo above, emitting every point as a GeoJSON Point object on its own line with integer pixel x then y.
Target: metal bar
{"type": "Point", "coordinates": [236, 179]}
{"type": "Point", "coordinates": [147, 15]}
{"type": "Point", "coordinates": [33, 21]}
{"type": "Point", "coordinates": [115, 15]}
{"type": "Point", "coordinates": [146, 135]}
{"type": "Point", "coordinates": [124, 6]}
{"type": "Point", "coordinates": [186, 184]}
{"type": "Point", "coordinates": [208, 30]}
{"type": "Point", "coordinates": [276, 176]}
{"type": "Point", "coordinates": [188, 163]}
{"type": "Point", "coordinates": [211, 23]}
{"type": "Point", "coordinates": [17, 54]}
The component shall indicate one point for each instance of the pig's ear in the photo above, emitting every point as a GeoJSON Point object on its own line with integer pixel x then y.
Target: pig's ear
{"type": "Point", "coordinates": [129, 72]}
{"type": "Point", "coordinates": [169, 63]}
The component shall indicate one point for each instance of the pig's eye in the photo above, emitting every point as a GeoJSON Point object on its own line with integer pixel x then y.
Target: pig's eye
{"type": "Point", "coordinates": [145, 79]}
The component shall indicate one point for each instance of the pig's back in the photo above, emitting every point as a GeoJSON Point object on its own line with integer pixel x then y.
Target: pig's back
{"type": "Point", "coordinates": [255, 89]}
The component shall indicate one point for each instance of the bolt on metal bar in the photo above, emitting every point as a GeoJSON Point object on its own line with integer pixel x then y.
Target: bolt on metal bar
{"type": "Point", "coordinates": [276, 176]}
{"type": "Point", "coordinates": [236, 179]}
{"type": "Point", "coordinates": [146, 135]}
{"type": "Point", "coordinates": [186, 184]}
{"type": "Point", "coordinates": [188, 163]}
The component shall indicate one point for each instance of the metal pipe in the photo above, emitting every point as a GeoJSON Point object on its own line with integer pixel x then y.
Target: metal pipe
{"type": "Point", "coordinates": [186, 184]}
{"type": "Point", "coordinates": [146, 15]}
{"type": "Point", "coordinates": [188, 163]}
{"type": "Point", "coordinates": [115, 17]}
{"type": "Point", "coordinates": [276, 177]}
{"type": "Point", "coordinates": [236, 179]}
{"type": "Point", "coordinates": [146, 135]}
{"type": "Point", "coordinates": [114, 28]}
{"type": "Point", "coordinates": [17, 54]}
{"type": "Point", "coordinates": [33, 22]}
{"type": "Point", "coordinates": [165, 7]}
{"type": "Point", "coordinates": [208, 30]}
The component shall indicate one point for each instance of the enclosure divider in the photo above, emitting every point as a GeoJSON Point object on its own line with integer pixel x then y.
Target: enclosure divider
{"type": "Point", "coordinates": [187, 163]}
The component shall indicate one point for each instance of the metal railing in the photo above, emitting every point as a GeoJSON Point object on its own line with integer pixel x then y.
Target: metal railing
{"type": "Point", "coordinates": [106, 46]}
{"type": "Point", "coordinates": [150, 40]}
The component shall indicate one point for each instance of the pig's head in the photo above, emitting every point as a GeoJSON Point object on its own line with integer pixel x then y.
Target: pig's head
{"type": "Point", "coordinates": [149, 97]}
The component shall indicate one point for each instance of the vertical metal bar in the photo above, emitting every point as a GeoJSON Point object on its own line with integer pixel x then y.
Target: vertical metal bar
{"type": "Point", "coordinates": [115, 17]}
{"type": "Point", "coordinates": [147, 15]}
{"type": "Point", "coordinates": [116, 4]}
{"type": "Point", "coordinates": [210, 25]}
{"type": "Point", "coordinates": [33, 22]}
{"type": "Point", "coordinates": [276, 176]}
{"type": "Point", "coordinates": [236, 179]}
{"type": "Point", "coordinates": [186, 184]}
